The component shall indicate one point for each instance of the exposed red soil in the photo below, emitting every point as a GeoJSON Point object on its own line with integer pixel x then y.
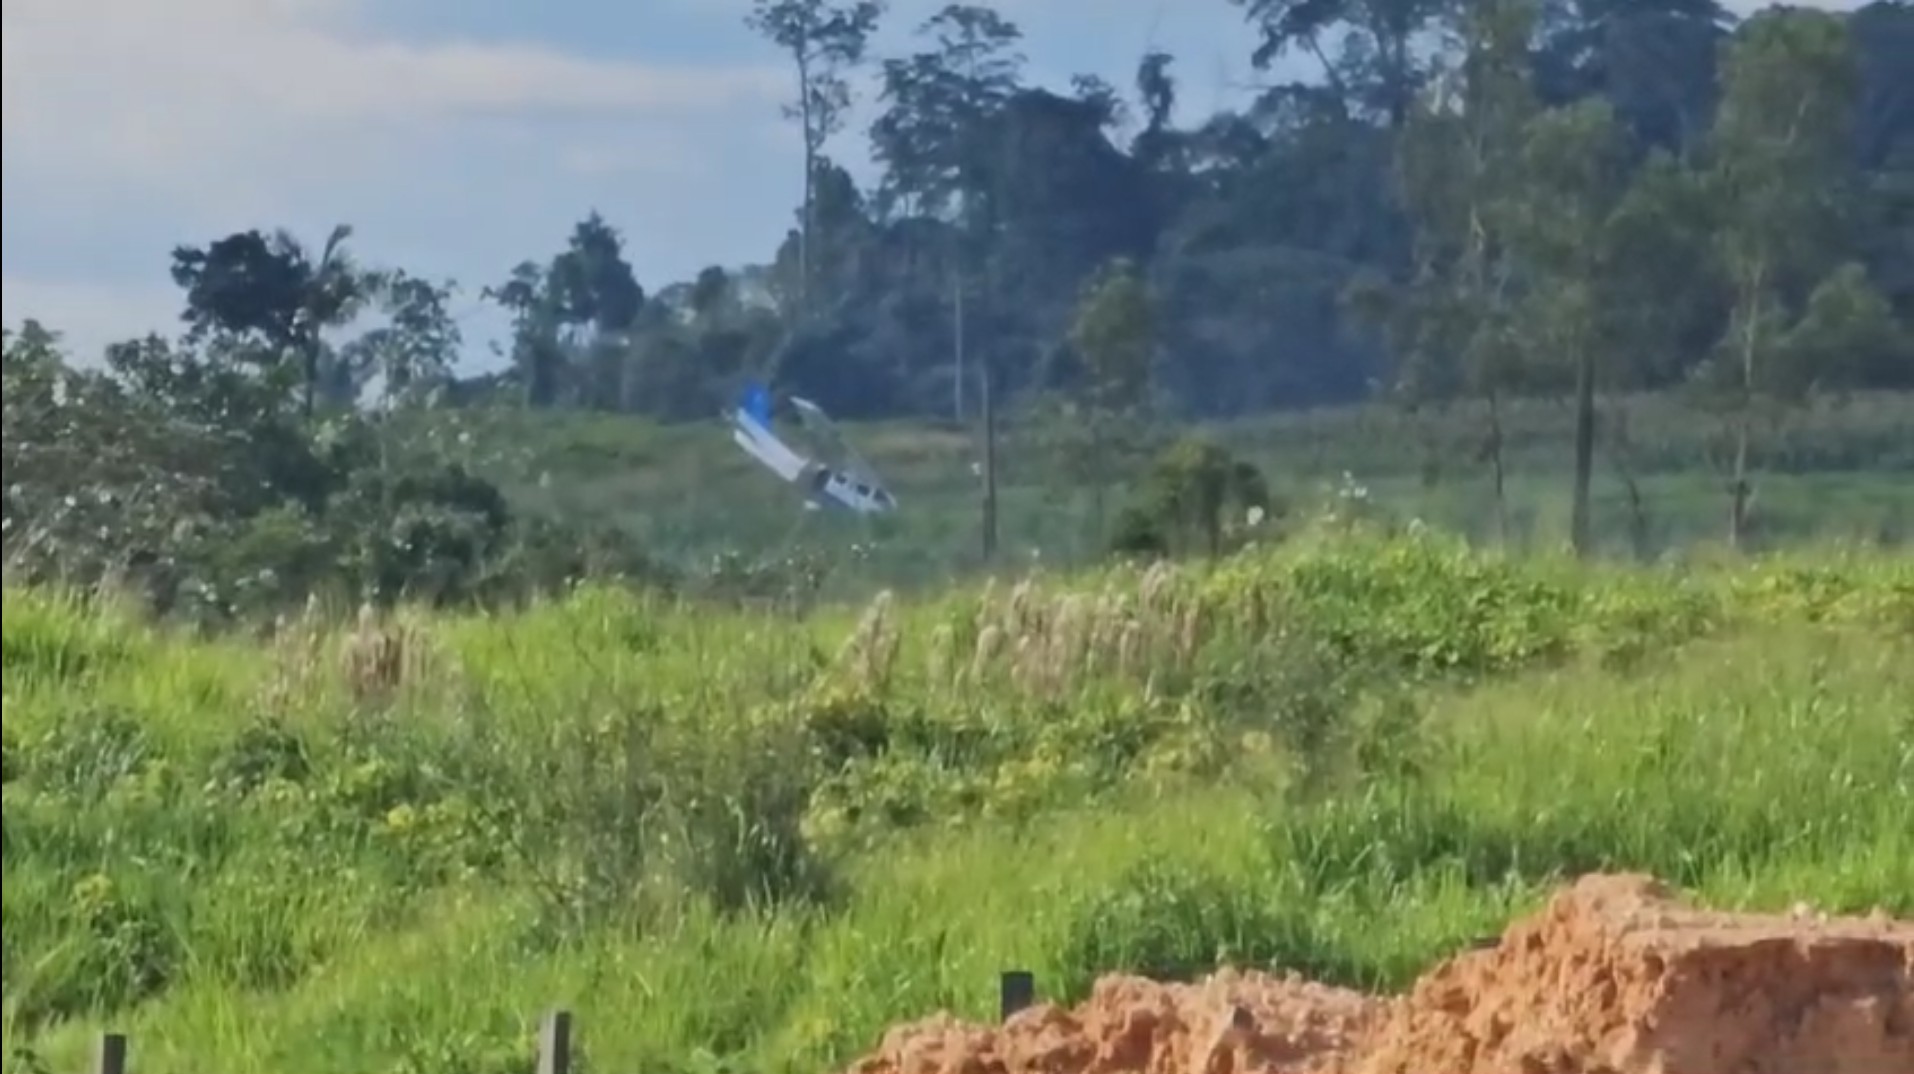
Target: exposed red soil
{"type": "Point", "coordinates": [1613, 976]}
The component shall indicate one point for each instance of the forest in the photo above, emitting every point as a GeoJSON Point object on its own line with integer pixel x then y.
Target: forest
{"type": "Point", "coordinates": [1640, 175]}
{"type": "Point", "coordinates": [1477, 204]}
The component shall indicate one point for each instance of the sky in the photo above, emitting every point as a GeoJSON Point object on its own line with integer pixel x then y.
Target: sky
{"type": "Point", "coordinates": [457, 137]}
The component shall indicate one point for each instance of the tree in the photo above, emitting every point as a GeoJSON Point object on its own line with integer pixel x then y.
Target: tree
{"type": "Point", "coordinates": [1652, 61]}
{"type": "Point", "coordinates": [573, 318]}
{"type": "Point", "coordinates": [97, 479]}
{"type": "Point", "coordinates": [592, 284]}
{"type": "Point", "coordinates": [413, 352]}
{"type": "Point", "coordinates": [1186, 497]}
{"type": "Point", "coordinates": [1660, 302]}
{"type": "Point", "coordinates": [1377, 70]}
{"type": "Point", "coordinates": [537, 355]}
{"type": "Point", "coordinates": [271, 292]}
{"type": "Point", "coordinates": [935, 101]}
{"type": "Point", "coordinates": [1775, 171]}
{"type": "Point", "coordinates": [1460, 173]}
{"type": "Point", "coordinates": [597, 300]}
{"type": "Point", "coordinates": [1847, 333]}
{"type": "Point", "coordinates": [1113, 343]}
{"type": "Point", "coordinates": [1114, 337]}
{"type": "Point", "coordinates": [1573, 177]}
{"type": "Point", "coordinates": [930, 141]}
{"type": "Point", "coordinates": [825, 40]}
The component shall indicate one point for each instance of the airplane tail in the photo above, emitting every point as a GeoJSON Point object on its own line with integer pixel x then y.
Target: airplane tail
{"type": "Point", "coordinates": [755, 402]}
{"type": "Point", "coordinates": [751, 430]}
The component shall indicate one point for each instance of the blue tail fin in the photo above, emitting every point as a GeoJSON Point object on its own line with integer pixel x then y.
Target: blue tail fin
{"type": "Point", "coordinates": [756, 402]}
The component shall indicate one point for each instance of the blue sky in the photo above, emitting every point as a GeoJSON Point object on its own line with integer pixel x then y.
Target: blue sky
{"type": "Point", "coordinates": [457, 136]}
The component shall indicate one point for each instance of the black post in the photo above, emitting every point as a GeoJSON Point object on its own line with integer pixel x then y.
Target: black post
{"type": "Point", "coordinates": [112, 1055]}
{"type": "Point", "coordinates": [555, 1043]}
{"type": "Point", "coordinates": [1017, 991]}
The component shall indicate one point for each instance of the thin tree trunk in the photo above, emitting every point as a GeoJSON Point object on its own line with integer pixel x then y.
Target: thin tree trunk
{"type": "Point", "coordinates": [1495, 463]}
{"type": "Point", "coordinates": [1618, 449]}
{"type": "Point", "coordinates": [1738, 488]}
{"type": "Point", "coordinates": [957, 381]}
{"type": "Point", "coordinates": [1744, 418]}
{"type": "Point", "coordinates": [311, 349]}
{"type": "Point", "coordinates": [1579, 522]}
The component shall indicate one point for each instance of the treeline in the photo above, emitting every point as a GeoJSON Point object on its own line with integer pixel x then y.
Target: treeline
{"type": "Point", "coordinates": [1472, 201]}
{"type": "Point", "coordinates": [1647, 173]}
{"type": "Point", "coordinates": [1294, 250]}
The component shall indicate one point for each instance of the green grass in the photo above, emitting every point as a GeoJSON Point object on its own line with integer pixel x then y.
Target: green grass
{"type": "Point", "coordinates": [1838, 469]}
{"type": "Point", "coordinates": [730, 840]}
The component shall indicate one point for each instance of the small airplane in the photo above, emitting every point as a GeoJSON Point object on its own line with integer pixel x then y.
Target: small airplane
{"type": "Point", "coordinates": [850, 485]}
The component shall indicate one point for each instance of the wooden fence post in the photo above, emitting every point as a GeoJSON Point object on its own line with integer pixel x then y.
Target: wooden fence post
{"type": "Point", "coordinates": [555, 1043]}
{"type": "Point", "coordinates": [112, 1058]}
{"type": "Point", "coordinates": [1016, 991]}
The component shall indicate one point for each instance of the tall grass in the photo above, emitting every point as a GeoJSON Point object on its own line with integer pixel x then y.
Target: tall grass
{"type": "Point", "coordinates": [1836, 469]}
{"type": "Point", "coordinates": [725, 839]}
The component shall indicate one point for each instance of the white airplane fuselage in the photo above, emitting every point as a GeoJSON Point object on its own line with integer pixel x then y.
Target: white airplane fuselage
{"type": "Point", "coordinates": [834, 488]}
{"type": "Point", "coordinates": [822, 485]}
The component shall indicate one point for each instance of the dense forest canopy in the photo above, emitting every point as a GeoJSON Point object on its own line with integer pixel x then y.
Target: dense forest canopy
{"type": "Point", "coordinates": [1465, 201]}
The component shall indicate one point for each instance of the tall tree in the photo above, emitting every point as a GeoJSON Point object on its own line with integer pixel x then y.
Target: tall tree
{"type": "Point", "coordinates": [414, 350]}
{"type": "Point", "coordinates": [272, 293]}
{"type": "Point", "coordinates": [825, 40]}
{"type": "Point", "coordinates": [1113, 339]}
{"type": "Point", "coordinates": [592, 282]}
{"type": "Point", "coordinates": [1653, 61]}
{"type": "Point", "coordinates": [573, 318]}
{"type": "Point", "coordinates": [597, 299]}
{"type": "Point", "coordinates": [1377, 71]}
{"type": "Point", "coordinates": [537, 355]}
{"type": "Point", "coordinates": [930, 140]}
{"type": "Point", "coordinates": [1460, 172]}
{"type": "Point", "coordinates": [1777, 160]}
{"type": "Point", "coordinates": [934, 101]}
{"type": "Point", "coordinates": [1154, 146]}
{"type": "Point", "coordinates": [1573, 176]}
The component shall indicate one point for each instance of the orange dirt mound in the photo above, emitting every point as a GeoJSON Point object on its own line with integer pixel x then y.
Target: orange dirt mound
{"type": "Point", "coordinates": [1614, 976]}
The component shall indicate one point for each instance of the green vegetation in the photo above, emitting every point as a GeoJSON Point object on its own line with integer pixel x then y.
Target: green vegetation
{"type": "Point", "coordinates": [1321, 687]}
{"type": "Point", "coordinates": [1538, 289]}
{"type": "Point", "coordinates": [725, 839]}
{"type": "Point", "coordinates": [1837, 470]}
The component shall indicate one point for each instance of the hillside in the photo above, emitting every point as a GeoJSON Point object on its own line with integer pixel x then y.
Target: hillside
{"type": "Point", "coordinates": [735, 842]}
{"type": "Point", "coordinates": [1839, 468]}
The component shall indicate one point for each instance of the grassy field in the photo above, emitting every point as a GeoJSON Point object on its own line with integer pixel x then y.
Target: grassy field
{"type": "Point", "coordinates": [735, 842]}
{"type": "Point", "coordinates": [1841, 469]}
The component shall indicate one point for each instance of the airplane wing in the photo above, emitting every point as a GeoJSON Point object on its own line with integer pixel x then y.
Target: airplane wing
{"type": "Point", "coordinates": [825, 430]}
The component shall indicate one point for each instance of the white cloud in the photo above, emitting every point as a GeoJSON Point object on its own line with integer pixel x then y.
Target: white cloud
{"type": "Point", "coordinates": [132, 125]}
{"type": "Point", "coordinates": [208, 99]}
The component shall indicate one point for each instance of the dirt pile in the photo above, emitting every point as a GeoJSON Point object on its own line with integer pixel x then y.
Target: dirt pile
{"type": "Point", "coordinates": [1614, 976]}
{"type": "Point", "coordinates": [1231, 1023]}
